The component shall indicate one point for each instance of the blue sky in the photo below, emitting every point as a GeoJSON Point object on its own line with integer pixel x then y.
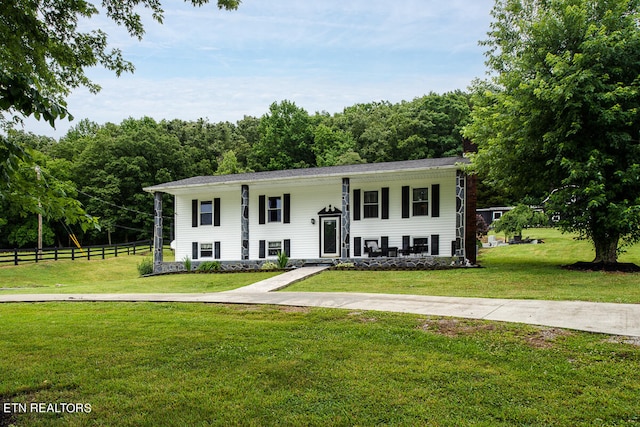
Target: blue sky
{"type": "Point", "coordinates": [322, 55]}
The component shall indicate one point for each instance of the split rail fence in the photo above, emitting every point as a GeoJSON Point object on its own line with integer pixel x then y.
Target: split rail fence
{"type": "Point", "coordinates": [18, 256]}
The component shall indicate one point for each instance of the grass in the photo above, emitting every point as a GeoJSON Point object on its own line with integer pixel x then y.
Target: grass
{"type": "Point", "coordinates": [112, 275]}
{"type": "Point", "coordinates": [515, 271]}
{"type": "Point", "coordinates": [214, 365]}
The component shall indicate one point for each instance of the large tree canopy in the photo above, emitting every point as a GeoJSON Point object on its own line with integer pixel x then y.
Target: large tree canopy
{"type": "Point", "coordinates": [560, 118]}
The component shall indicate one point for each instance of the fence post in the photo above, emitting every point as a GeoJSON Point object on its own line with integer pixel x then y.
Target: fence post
{"type": "Point", "coordinates": [15, 256]}
{"type": "Point", "coordinates": [134, 248]}
{"type": "Point", "coordinates": [73, 254]}
{"type": "Point", "coordinates": [36, 252]}
{"type": "Point", "coordinates": [55, 253]}
{"type": "Point", "coordinates": [116, 251]}
{"type": "Point", "coordinates": [103, 252]}
{"type": "Point", "coordinates": [88, 253]}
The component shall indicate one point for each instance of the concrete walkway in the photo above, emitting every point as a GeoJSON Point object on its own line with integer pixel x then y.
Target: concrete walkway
{"type": "Point", "coordinates": [607, 318]}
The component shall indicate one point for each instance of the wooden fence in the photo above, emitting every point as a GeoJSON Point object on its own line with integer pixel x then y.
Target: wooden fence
{"type": "Point", "coordinates": [17, 256]}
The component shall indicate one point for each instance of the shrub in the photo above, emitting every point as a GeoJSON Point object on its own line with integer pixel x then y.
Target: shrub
{"type": "Point", "coordinates": [187, 263]}
{"type": "Point", "coordinates": [283, 259]}
{"type": "Point", "coordinates": [209, 266]}
{"type": "Point", "coordinates": [269, 266]}
{"type": "Point", "coordinates": [341, 265]}
{"type": "Point", "coordinates": [145, 266]}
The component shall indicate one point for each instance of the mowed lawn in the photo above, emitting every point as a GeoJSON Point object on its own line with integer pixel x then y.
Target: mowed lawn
{"type": "Point", "coordinates": [112, 275]}
{"type": "Point", "coordinates": [514, 271]}
{"type": "Point", "coordinates": [145, 364]}
{"type": "Point", "coordinates": [168, 364]}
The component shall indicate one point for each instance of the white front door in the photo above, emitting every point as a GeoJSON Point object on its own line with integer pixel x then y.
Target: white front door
{"type": "Point", "coordinates": [329, 235]}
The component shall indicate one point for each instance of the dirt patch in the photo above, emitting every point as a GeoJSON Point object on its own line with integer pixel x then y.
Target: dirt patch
{"type": "Point", "coordinates": [620, 267]}
{"type": "Point", "coordinates": [457, 327]}
{"type": "Point", "coordinates": [624, 340]}
{"type": "Point", "coordinates": [545, 337]}
{"type": "Point", "coordinates": [293, 309]}
{"type": "Point", "coordinates": [361, 318]}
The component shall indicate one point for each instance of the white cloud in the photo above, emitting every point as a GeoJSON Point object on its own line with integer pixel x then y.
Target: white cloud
{"type": "Point", "coordinates": [322, 55]}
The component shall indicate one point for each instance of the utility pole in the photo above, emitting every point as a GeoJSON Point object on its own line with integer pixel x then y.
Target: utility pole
{"type": "Point", "coordinates": [39, 248]}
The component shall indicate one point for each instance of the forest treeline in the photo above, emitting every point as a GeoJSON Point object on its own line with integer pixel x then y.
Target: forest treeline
{"type": "Point", "coordinates": [105, 166]}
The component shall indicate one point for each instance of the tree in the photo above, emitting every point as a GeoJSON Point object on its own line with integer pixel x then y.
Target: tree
{"type": "Point", "coordinates": [286, 139]}
{"type": "Point", "coordinates": [43, 54]}
{"type": "Point", "coordinates": [517, 219]}
{"type": "Point", "coordinates": [560, 119]}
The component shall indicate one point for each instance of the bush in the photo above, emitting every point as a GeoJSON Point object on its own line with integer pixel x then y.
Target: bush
{"type": "Point", "coordinates": [187, 263]}
{"type": "Point", "coordinates": [283, 259]}
{"type": "Point", "coordinates": [209, 266]}
{"type": "Point", "coordinates": [342, 265]}
{"type": "Point", "coordinates": [145, 266]}
{"type": "Point", "coordinates": [269, 266]}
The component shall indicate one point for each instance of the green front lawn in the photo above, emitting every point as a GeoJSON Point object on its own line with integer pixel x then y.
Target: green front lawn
{"type": "Point", "coordinates": [112, 275]}
{"type": "Point", "coordinates": [150, 364]}
{"type": "Point", "coordinates": [515, 271]}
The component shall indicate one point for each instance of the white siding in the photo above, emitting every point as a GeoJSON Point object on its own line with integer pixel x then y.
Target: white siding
{"type": "Point", "coordinates": [307, 198]}
{"type": "Point", "coordinates": [416, 227]}
{"type": "Point", "coordinates": [228, 233]}
{"type": "Point", "coordinates": [306, 202]}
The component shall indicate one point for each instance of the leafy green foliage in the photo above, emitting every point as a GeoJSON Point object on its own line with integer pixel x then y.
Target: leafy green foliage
{"type": "Point", "coordinates": [513, 222]}
{"type": "Point", "coordinates": [187, 263]}
{"type": "Point", "coordinates": [44, 54]}
{"type": "Point", "coordinates": [209, 267]}
{"type": "Point", "coordinates": [560, 120]}
{"type": "Point", "coordinates": [145, 266]}
{"type": "Point", "coordinates": [283, 259]}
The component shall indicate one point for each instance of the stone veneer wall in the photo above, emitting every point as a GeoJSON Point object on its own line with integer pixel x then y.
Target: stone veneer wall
{"type": "Point", "coordinates": [418, 263]}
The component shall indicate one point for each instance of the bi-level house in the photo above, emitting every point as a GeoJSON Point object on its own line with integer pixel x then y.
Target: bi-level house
{"type": "Point", "coordinates": [416, 208]}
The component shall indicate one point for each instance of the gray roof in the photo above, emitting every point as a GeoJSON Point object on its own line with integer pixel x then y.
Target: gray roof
{"type": "Point", "coordinates": [347, 170]}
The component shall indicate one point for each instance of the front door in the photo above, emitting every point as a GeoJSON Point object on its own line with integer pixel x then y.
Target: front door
{"type": "Point", "coordinates": [329, 234]}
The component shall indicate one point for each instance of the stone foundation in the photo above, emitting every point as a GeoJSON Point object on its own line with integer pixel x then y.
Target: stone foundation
{"type": "Point", "coordinates": [378, 263]}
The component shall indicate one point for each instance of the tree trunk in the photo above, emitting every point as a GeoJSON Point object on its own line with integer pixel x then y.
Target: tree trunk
{"type": "Point", "coordinates": [606, 249]}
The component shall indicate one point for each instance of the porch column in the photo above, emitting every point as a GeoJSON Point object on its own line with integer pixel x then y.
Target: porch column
{"type": "Point", "coordinates": [346, 224]}
{"type": "Point", "coordinates": [157, 232]}
{"type": "Point", "coordinates": [461, 180]}
{"type": "Point", "coordinates": [244, 222]}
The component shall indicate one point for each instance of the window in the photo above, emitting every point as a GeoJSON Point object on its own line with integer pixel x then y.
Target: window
{"type": "Point", "coordinates": [206, 213]}
{"type": "Point", "coordinates": [420, 202]}
{"type": "Point", "coordinates": [371, 204]}
{"type": "Point", "coordinates": [206, 250]}
{"type": "Point", "coordinates": [497, 215]}
{"type": "Point", "coordinates": [275, 248]}
{"type": "Point", "coordinates": [274, 209]}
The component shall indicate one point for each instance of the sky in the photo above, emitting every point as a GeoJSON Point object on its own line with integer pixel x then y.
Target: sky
{"type": "Point", "coordinates": [323, 55]}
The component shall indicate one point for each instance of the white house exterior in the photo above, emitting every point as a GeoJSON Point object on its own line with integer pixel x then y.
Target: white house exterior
{"type": "Point", "coordinates": [410, 208]}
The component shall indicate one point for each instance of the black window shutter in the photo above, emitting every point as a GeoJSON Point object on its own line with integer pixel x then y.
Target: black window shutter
{"type": "Point", "coordinates": [287, 247]}
{"type": "Point", "coordinates": [194, 250]}
{"type": "Point", "coordinates": [286, 215]}
{"type": "Point", "coordinates": [356, 205]}
{"type": "Point", "coordinates": [216, 248]}
{"type": "Point", "coordinates": [216, 212]}
{"type": "Point", "coordinates": [357, 246]}
{"type": "Point", "coordinates": [385, 203]}
{"type": "Point", "coordinates": [262, 209]}
{"type": "Point", "coordinates": [384, 242]}
{"type": "Point", "coordinates": [406, 193]}
{"type": "Point", "coordinates": [435, 200]}
{"type": "Point", "coordinates": [194, 213]}
{"type": "Point", "coordinates": [262, 249]}
{"type": "Point", "coordinates": [435, 244]}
